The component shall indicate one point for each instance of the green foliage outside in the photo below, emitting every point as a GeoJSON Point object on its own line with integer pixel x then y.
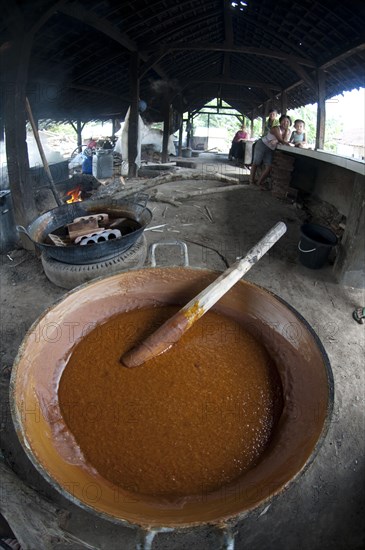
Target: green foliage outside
{"type": "Point", "coordinates": [90, 129]}
{"type": "Point", "coordinates": [62, 128]}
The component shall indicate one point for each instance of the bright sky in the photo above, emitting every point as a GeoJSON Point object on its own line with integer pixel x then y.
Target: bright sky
{"type": "Point", "coordinates": [350, 107]}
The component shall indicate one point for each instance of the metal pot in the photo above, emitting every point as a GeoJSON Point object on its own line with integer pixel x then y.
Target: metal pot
{"type": "Point", "coordinates": [300, 358]}
{"type": "Point", "coordinates": [52, 220]}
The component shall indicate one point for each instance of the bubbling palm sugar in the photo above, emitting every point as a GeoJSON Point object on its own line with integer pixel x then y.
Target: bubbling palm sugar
{"type": "Point", "coordinates": [190, 420]}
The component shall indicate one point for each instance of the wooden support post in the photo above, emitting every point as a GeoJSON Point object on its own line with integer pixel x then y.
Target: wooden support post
{"type": "Point", "coordinates": [263, 117]}
{"type": "Point", "coordinates": [166, 130]}
{"type": "Point", "coordinates": [180, 135]}
{"type": "Point", "coordinates": [188, 129]}
{"type": "Point", "coordinates": [41, 152]}
{"type": "Point", "coordinates": [2, 122]}
{"type": "Point", "coordinates": [321, 109]}
{"type": "Point", "coordinates": [115, 126]}
{"type": "Point", "coordinates": [16, 61]}
{"type": "Point", "coordinates": [284, 102]}
{"type": "Point", "coordinates": [78, 129]}
{"type": "Point", "coordinates": [79, 135]}
{"type": "Point", "coordinates": [133, 115]}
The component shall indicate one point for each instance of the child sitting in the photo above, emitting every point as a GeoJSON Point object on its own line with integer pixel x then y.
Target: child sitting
{"type": "Point", "coordinates": [298, 137]}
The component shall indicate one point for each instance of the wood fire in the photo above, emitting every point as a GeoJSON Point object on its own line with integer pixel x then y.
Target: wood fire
{"type": "Point", "coordinates": [75, 195]}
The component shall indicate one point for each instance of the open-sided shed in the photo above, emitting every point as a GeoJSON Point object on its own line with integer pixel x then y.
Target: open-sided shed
{"type": "Point", "coordinates": [81, 60]}
{"type": "Point", "coordinates": [85, 59]}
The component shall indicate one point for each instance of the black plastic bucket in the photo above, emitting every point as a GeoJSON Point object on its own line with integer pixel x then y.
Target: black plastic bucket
{"type": "Point", "coordinates": [315, 245]}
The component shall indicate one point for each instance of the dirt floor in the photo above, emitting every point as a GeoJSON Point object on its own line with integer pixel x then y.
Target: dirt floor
{"type": "Point", "coordinates": [321, 509]}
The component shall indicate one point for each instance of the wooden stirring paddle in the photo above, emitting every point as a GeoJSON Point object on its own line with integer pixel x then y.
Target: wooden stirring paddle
{"type": "Point", "coordinates": [172, 330]}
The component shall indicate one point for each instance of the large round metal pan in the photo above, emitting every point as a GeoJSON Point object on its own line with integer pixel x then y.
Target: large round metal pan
{"type": "Point", "coordinates": [52, 220]}
{"type": "Point", "coordinates": [301, 361]}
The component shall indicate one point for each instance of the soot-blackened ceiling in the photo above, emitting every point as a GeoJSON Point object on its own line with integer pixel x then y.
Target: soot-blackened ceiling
{"type": "Point", "coordinates": [244, 53]}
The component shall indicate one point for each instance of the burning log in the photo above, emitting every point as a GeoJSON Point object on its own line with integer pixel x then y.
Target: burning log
{"type": "Point", "coordinates": [75, 195]}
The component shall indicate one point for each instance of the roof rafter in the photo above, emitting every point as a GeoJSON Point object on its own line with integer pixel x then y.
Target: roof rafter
{"type": "Point", "coordinates": [262, 52]}
{"type": "Point", "coordinates": [302, 73]}
{"type": "Point", "coordinates": [326, 65]}
{"type": "Point", "coordinates": [356, 49]}
{"type": "Point", "coordinates": [46, 15]}
{"type": "Point", "coordinates": [306, 78]}
{"type": "Point", "coordinates": [233, 82]}
{"type": "Point", "coordinates": [92, 89]}
{"type": "Point", "coordinates": [255, 54]}
{"type": "Point", "coordinates": [78, 12]}
{"type": "Point", "coordinates": [228, 25]}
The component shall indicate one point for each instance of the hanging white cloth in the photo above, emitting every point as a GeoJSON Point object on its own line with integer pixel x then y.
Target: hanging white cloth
{"type": "Point", "coordinates": [124, 143]}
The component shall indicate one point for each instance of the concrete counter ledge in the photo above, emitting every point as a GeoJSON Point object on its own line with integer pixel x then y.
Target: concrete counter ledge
{"type": "Point", "coordinates": [354, 165]}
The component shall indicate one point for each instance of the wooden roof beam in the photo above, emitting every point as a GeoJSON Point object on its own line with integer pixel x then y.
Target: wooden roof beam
{"type": "Point", "coordinates": [228, 25]}
{"type": "Point", "coordinates": [323, 67]}
{"type": "Point", "coordinates": [150, 63]}
{"type": "Point", "coordinates": [302, 73]}
{"type": "Point", "coordinates": [95, 90]}
{"type": "Point", "coordinates": [356, 49]}
{"type": "Point", "coordinates": [47, 15]}
{"type": "Point", "coordinates": [78, 12]}
{"type": "Point", "coordinates": [262, 52]}
{"type": "Point", "coordinates": [95, 66]}
{"type": "Point", "coordinates": [294, 61]}
{"type": "Point", "coordinates": [226, 65]}
{"type": "Point", "coordinates": [14, 18]}
{"type": "Point", "coordinates": [267, 91]}
{"type": "Point", "coordinates": [232, 82]}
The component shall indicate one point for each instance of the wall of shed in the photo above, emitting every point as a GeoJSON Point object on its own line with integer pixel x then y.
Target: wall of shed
{"type": "Point", "coordinates": [335, 185]}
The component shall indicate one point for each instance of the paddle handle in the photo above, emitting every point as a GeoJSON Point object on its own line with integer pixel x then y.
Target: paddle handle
{"type": "Point", "coordinates": [172, 330]}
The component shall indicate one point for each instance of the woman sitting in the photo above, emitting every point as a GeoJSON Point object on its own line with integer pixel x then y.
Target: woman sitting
{"type": "Point", "coordinates": [237, 148]}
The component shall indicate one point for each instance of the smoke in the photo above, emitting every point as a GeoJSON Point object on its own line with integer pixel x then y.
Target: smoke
{"type": "Point", "coordinates": [165, 87]}
{"type": "Point", "coordinates": [52, 155]}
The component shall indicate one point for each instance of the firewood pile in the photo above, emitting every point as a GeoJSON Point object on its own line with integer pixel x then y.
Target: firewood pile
{"type": "Point", "coordinates": [91, 229]}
